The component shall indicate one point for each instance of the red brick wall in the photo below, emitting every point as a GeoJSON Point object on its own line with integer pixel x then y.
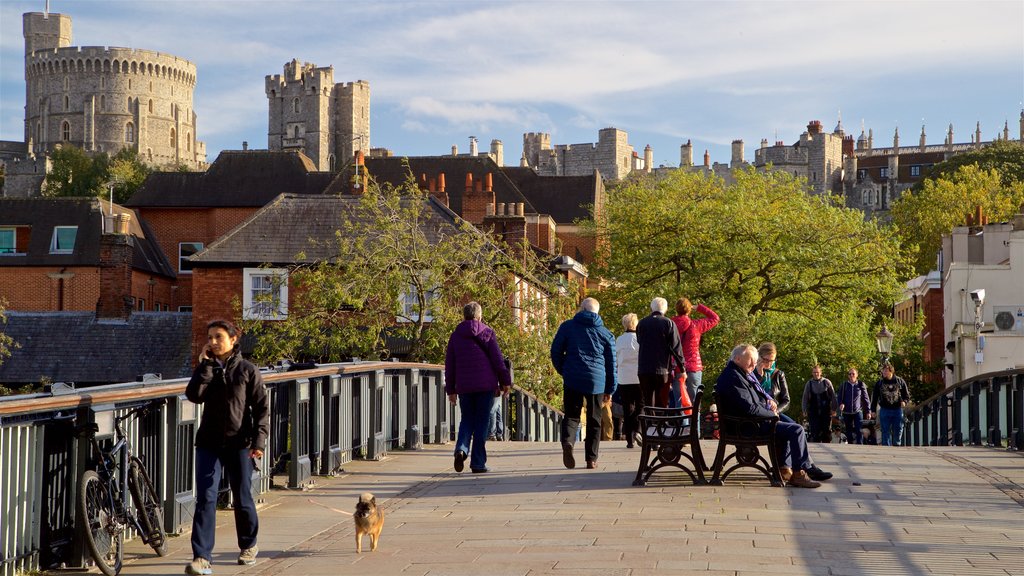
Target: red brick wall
{"type": "Point", "coordinates": [161, 291]}
{"type": "Point", "coordinates": [115, 275]}
{"type": "Point", "coordinates": [215, 290]}
{"type": "Point", "coordinates": [935, 341]}
{"type": "Point", "coordinates": [474, 205]}
{"type": "Point", "coordinates": [175, 225]}
{"type": "Point", "coordinates": [573, 240]}
{"type": "Point", "coordinates": [29, 289]}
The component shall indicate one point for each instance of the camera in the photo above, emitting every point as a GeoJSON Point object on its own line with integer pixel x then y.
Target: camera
{"type": "Point", "coordinates": [978, 296]}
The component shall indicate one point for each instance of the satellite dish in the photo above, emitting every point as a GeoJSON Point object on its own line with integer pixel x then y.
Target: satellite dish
{"type": "Point", "coordinates": [1004, 321]}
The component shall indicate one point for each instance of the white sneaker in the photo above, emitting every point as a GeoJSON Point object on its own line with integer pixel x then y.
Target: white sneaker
{"type": "Point", "coordinates": [199, 567]}
{"type": "Point", "coordinates": [248, 556]}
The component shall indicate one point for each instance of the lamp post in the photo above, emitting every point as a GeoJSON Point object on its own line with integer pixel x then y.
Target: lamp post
{"type": "Point", "coordinates": [884, 342]}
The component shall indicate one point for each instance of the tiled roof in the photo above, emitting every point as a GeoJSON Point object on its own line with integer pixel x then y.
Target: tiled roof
{"type": "Point", "coordinates": [397, 170]}
{"type": "Point", "coordinates": [43, 214]}
{"type": "Point", "coordinates": [76, 347]}
{"type": "Point", "coordinates": [565, 198]}
{"type": "Point", "coordinates": [237, 178]}
{"type": "Point", "coordinates": [295, 223]}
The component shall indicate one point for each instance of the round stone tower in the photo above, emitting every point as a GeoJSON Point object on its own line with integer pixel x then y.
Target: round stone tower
{"type": "Point", "coordinates": [105, 99]}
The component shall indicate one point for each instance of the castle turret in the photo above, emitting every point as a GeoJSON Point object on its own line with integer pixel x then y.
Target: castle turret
{"type": "Point", "coordinates": [737, 154]}
{"type": "Point", "coordinates": [45, 31]}
{"type": "Point", "coordinates": [498, 152]}
{"type": "Point", "coordinates": [871, 139]}
{"type": "Point", "coordinates": [686, 150]}
{"type": "Point", "coordinates": [949, 138]}
{"type": "Point", "coordinates": [896, 141]}
{"type": "Point", "coordinates": [977, 137]}
{"type": "Point", "coordinates": [922, 138]}
{"type": "Point", "coordinates": [648, 158]}
{"type": "Point", "coordinates": [1006, 130]}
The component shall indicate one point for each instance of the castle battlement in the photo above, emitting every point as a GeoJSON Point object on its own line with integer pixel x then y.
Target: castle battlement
{"type": "Point", "coordinates": [100, 59]}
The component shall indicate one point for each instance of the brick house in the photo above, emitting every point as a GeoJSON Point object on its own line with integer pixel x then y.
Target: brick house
{"type": "Point", "coordinates": [190, 210]}
{"type": "Point", "coordinates": [64, 254]}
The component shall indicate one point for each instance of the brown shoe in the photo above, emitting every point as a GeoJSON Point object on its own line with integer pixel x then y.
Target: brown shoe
{"type": "Point", "coordinates": [800, 479]}
{"type": "Point", "coordinates": [786, 474]}
{"type": "Point", "coordinates": [591, 464]}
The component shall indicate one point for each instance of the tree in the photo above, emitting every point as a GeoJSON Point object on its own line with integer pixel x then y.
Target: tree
{"type": "Point", "coordinates": [922, 216]}
{"type": "Point", "coordinates": [923, 378]}
{"type": "Point", "coordinates": [7, 345]}
{"type": "Point", "coordinates": [1005, 157]}
{"type": "Point", "coordinates": [127, 172]}
{"type": "Point", "coordinates": [74, 173]}
{"type": "Point", "coordinates": [401, 274]}
{"type": "Point", "coordinates": [775, 262]}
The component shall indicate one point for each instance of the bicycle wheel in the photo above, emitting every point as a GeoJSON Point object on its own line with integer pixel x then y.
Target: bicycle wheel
{"type": "Point", "coordinates": [147, 506]}
{"type": "Point", "coordinates": [104, 535]}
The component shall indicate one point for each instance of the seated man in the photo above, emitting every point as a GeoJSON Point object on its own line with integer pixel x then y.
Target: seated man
{"type": "Point", "coordinates": [740, 395]}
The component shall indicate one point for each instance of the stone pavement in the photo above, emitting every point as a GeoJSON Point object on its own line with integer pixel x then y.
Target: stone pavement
{"type": "Point", "coordinates": [900, 511]}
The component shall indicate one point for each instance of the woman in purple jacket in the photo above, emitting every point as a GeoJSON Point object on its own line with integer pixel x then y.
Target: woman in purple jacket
{"type": "Point", "coordinates": [475, 374]}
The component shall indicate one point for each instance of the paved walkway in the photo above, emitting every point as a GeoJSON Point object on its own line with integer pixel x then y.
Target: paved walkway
{"type": "Point", "coordinates": [909, 511]}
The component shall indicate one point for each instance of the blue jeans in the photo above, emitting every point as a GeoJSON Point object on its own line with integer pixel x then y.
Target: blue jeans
{"type": "Point", "coordinates": [476, 410]}
{"type": "Point", "coordinates": [891, 420]}
{"type": "Point", "coordinates": [791, 445]}
{"type": "Point", "coordinates": [209, 465]}
{"type": "Point", "coordinates": [495, 425]}
{"type": "Point", "coordinates": [852, 422]}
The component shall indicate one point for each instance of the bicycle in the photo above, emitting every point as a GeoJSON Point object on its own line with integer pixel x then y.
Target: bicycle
{"type": "Point", "coordinates": [103, 511]}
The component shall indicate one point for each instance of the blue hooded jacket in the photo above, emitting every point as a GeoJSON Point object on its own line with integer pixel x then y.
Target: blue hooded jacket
{"type": "Point", "coordinates": [583, 352]}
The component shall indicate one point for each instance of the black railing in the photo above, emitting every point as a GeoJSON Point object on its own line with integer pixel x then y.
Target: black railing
{"type": "Point", "coordinates": [321, 418]}
{"type": "Point", "coordinates": [986, 410]}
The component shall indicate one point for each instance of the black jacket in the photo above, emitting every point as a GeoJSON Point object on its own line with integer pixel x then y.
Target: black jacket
{"type": "Point", "coordinates": [659, 342]}
{"type": "Point", "coordinates": [780, 388]}
{"type": "Point", "coordinates": [890, 394]}
{"type": "Point", "coordinates": [237, 407]}
{"type": "Point", "coordinates": [737, 396]}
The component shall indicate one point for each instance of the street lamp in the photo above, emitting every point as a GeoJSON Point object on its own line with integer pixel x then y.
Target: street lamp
{"type": "Point", "coordinates": [884, 341]}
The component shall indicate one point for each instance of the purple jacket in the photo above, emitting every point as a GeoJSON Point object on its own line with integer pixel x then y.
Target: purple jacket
{"type": "Point", "coordinates": [473, 362]}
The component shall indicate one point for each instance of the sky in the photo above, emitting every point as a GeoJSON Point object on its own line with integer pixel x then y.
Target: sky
{"type": "Point", "coordinates": [665, 72]}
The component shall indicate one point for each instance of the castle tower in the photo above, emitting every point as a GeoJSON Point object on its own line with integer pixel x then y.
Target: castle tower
{"type": "Point", "coordinates": [648, 159]}
{"type": "Point", "coordinates": [308, 112]}
{"type": "Point", "coordinates": [949, 138]}
{"type": "Point", "coordinates": [922, 138]}
{"type": "Point", "coordinates": [737, 154]}
{"type": "Point", "coordinates": [1006, 130]}
{"type": "Point", "coordinates": [686, 153]}
{"type": "Point", "coordinates": [977, 136]}
{"type": "Point", "coordinates": [107, 99]}
{"type": "Point", "coordinates": [896, 141]}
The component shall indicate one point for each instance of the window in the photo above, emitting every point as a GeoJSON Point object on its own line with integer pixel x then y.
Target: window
{"type": "Point", "coordinates": [410, 305]}
{"type": "Point", "coordinates": [65, 131]}
{"type": "Point", "coordinates": [862, 174]}
{"type": "Point", "coordinates": [915, 170]}
{"type": "Point", "coordinates": [8, 240]}
{"type": "Point", "coordinates": [264, 294]}
{"type": "Point", "coordinates": [67, 103]}
{"type": "Point", "coordinates": [884, 173]}
{"type": "Point", "coordinates": [103, 102]}
{"type": "Point", "coordinates": [142, 304]}
{"type": "Point", "coordinates": [295, 106]}
{"type": "Point", "coordinates": [184, 309]}
{"type": "Point", "coordinates": [174, 138]}
{"type": "Point", "coordinates": [867, 198]}
{"type": "Point", "coordinates": [188, 142]}
{"type": "Point", "coordinates": [67, 83]}
{"type": "Point", "coordinates": [186, 249]}
{"type": "Point", "coordinates": [63, 241]}
{"type": "Point", "coordinates": [151, 103]}
{"type": "Point", "coordinates": [129, 132]}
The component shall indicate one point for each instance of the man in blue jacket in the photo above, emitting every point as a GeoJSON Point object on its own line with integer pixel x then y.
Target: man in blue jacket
{"type": "Point", "coordinates": [740, 394]}
{"type": "Point", "coordinates": [583, 353]}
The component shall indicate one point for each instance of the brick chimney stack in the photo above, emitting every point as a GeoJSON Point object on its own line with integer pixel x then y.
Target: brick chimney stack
{"type": "Point", "coordinates": [476, 201]}
{"type": "Point", "coordinates": [116, 252]}
{"type": "Point", "coordinates": [437, 189]}
{"type": "Point", "coordinates": [359, 176]}
{"type": "Point", "coordinates": [508, 224]}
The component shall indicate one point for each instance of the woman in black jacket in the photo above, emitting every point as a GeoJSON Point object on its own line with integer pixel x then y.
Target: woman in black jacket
{"type": "Point", "coordinates": [233, 431]}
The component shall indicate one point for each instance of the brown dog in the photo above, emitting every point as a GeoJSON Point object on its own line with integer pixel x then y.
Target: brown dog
{"type": "Point", "coordinates": [369, 520]}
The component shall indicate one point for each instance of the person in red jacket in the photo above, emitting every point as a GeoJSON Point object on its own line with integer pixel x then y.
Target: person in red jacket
{"type": "Point", "coordinates": [690, 331]}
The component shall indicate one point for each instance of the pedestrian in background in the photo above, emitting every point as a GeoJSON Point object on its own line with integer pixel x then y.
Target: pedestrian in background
{"type": "Point", "coordinates": [475, 375]}
{"type": "Point", "coordinates": [818, 404]}
{"type": "Point", "coordinates": [690, 332]}
{"type": "Point", "coordinates": [583, 353]}
{"type": "Point", "coordinates": [659, 347]}
{"type": "Point", "coordinates": [627, 357]}
{"type": "Point", "coordinates": [853, 402]}
{"type": "Point", "coordinates": [891, 395]}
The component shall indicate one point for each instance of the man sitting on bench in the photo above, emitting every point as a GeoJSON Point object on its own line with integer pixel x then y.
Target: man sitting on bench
{"type": "Point", "coordinates": [740, 395]}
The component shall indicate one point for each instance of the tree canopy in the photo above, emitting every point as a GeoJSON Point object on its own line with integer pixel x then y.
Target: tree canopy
{"type": "Point", "coordinates": [1005, 157]}
{"type": "Point", "coordinates": [400, 276]}
{"type": "Point", "coordinates": [922, 215]}
{"type": "Point", "coordinates": [776, 263]}
{"type": "Point", "coordinates": [73, 172]}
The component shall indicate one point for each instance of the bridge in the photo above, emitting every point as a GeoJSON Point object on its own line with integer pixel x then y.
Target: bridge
{"type": "Point", "coordinates": [932, 509]}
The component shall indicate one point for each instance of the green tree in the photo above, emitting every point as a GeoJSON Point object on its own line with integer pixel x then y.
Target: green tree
{"type": "Point", "coordinates": [75, 173]}
{"type": "Point", "coordinates": [7, 345]}
{"type": "Point", "coordinates": [1005, 157]}
{"type": "Point", "coordinates": [127, 172]}
{"type": "Point", "coordinates": [922, 216]}
{"type": "Point", "coordinates": [775, 262]}
{"type": "Point", "coordinates": [401, 273]}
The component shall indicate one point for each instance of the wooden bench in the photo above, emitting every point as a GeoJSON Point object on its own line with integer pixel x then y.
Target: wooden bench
{"type": "Point", "coordinates": [747, 435]}
{"type": "Point", "coordinates": [665, 433]}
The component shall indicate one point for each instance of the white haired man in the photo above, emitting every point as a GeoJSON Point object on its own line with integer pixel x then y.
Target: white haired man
{"type": "Point", "coordinates": [583, 353]}
{"type": "Point", "coordinates": [659, 345]}
{"type": "Point", "coordinates": [740, 394]}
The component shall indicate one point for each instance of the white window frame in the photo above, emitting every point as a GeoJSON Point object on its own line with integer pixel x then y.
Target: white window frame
{"type": "Point", "coordinates": [252, 307]}
{"type": "Point", "coordinates": [183, 259]}
{"type": "Point", "coordinates": [54, 249]}
{"type": "Point", "coordinates": [407, 301]}
{"type": "Point", "coordinates": [884, 173]}
{"type": "Point", "coordinates": [915, 170]}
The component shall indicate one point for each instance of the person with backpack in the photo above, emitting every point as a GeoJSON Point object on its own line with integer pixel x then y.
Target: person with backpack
{"type": "Point", "coordinates": [819, 406]}
{"type": "Point", "coordinates": [854, 405]}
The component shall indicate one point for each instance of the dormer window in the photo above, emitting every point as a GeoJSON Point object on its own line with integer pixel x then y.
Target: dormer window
{"type": "Point", "coordinates": [63, 241]}
{"type": "Point", "coordinates": [8, 240]}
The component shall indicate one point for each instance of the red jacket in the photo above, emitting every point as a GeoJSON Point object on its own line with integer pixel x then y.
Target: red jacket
{"type": "Point", "coordinates": [690, 331]}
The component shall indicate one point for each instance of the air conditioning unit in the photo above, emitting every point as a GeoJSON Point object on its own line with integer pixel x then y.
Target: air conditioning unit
{"type": "Point", "coordinates": [1008, 319]}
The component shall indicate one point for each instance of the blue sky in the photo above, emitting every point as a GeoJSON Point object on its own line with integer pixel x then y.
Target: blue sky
{"type": "Point", "coordinates": [665, 72]}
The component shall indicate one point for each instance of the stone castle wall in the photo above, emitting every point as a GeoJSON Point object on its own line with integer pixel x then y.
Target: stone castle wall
{"type": "Point", "coordinates": [105, 99]}
{"type": "Point", "coordinates": [612, 155]}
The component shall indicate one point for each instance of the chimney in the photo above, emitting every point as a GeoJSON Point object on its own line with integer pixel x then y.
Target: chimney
{"type": "Point", "coordinates": [440, 182]}
{"type": "Point", "coordinates": [359, 176]}
{"type": "Point", "coordinates": [476, 202]}
{"type": "Point", "coordinates": [814, 127]}
{"type": "Point", "coordinates": [489, 182]}
{"type": "Point", "coordinates": [707, 158]}
{"type": "Point", "coordinates": [472, 146]}
{"type": "Point", "coordinates": [245, 145]}
{"type": "Point", "coordinates": [507, 223]}
{"type": "Point", "coordinates": [455, 150]}
{"type": "Point", "coordinates": [116, 271]}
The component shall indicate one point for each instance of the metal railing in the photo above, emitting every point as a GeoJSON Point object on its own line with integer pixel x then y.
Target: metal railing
{"type": "Point", "coordinates": [321, 418]}
{"type": "Point", "coordinates": [986, 410]}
